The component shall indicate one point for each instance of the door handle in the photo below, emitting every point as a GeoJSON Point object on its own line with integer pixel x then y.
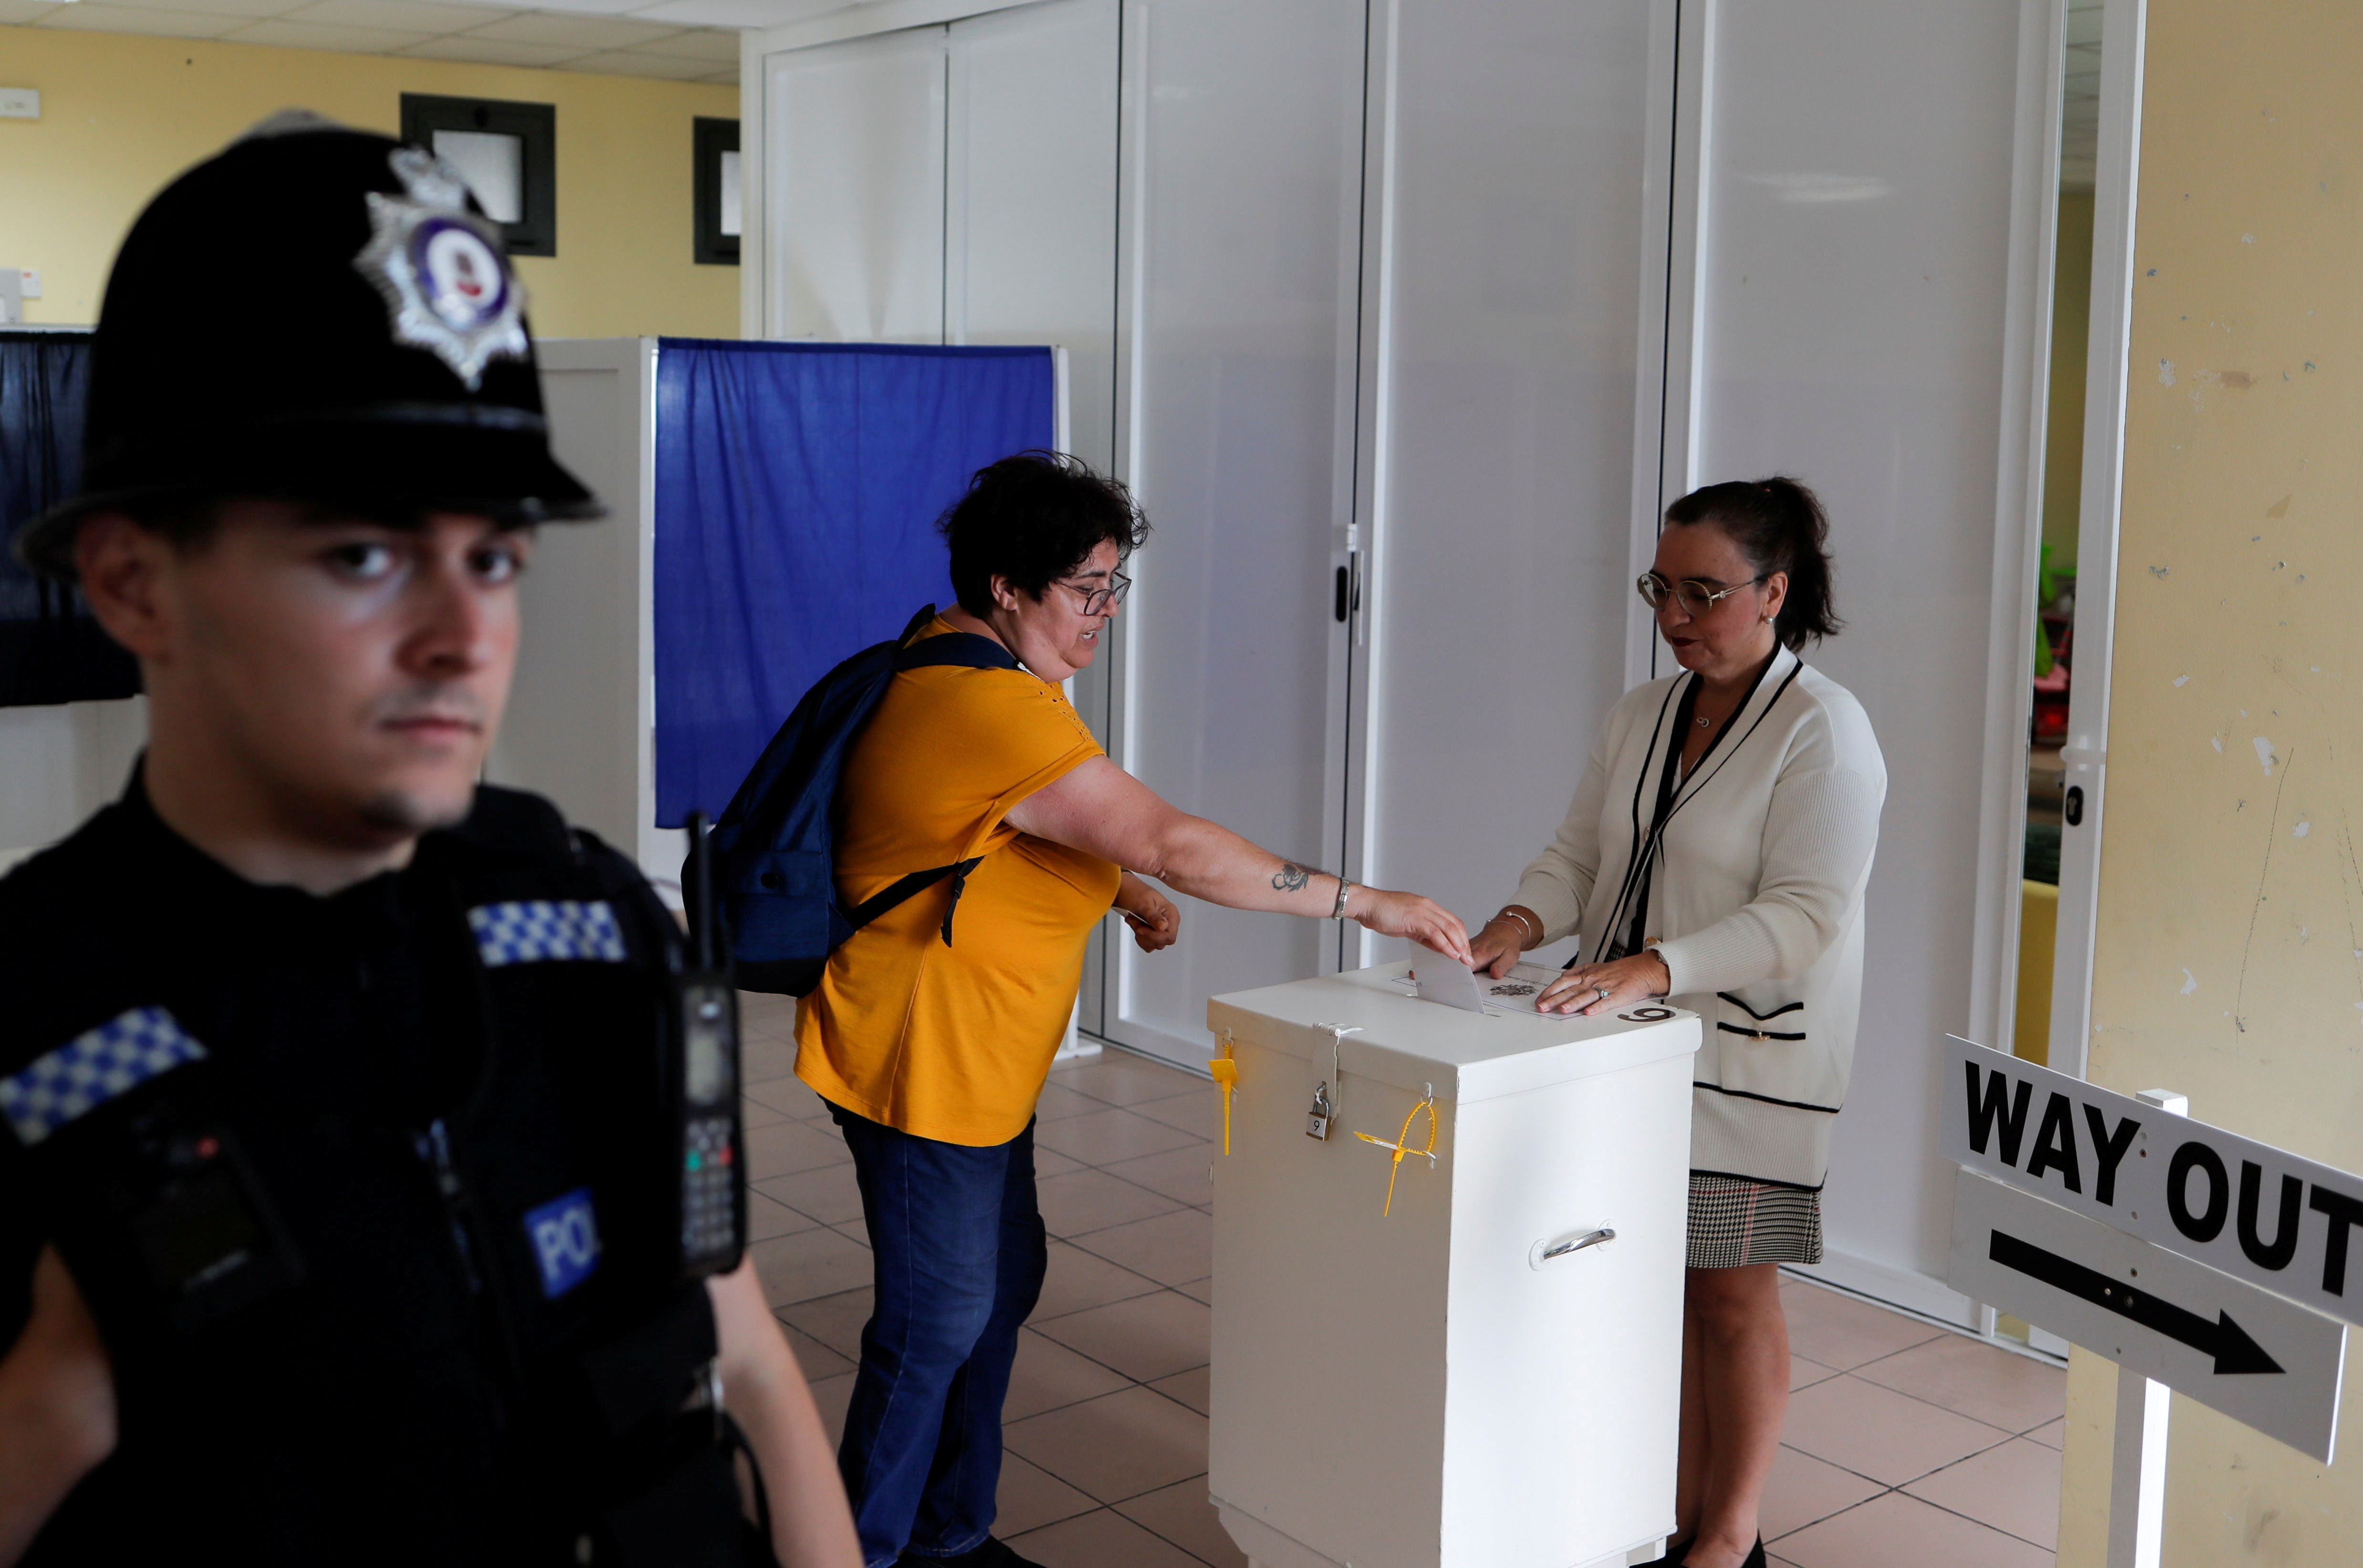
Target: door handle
{"type": "Point", "coordinates": [1343, 591]}
{"type": "Point", "coordinates": [1542, 1252]}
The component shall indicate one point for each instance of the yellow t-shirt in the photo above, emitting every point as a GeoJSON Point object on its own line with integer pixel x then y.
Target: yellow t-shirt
{"type": "Point", "coordinates": [953, 1043]}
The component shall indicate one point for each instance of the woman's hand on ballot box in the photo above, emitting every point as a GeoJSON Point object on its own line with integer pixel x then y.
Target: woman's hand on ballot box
{"type": "Point", "coordinates": [1494, 946]}
{"type": "Point", "coordinates": [1590, 988]}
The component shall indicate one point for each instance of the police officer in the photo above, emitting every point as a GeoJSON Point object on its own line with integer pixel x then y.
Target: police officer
{"type": "Point", "coordinates": [341, 1213]}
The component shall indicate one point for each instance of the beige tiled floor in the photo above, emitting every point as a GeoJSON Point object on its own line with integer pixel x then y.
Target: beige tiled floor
{"type": "Point", "coordinates": [1105, 1423]}
{"type": "Point", "coordinates": [1904, 1443]}
{"type": "Point", "coordinates": [1911, 1444]}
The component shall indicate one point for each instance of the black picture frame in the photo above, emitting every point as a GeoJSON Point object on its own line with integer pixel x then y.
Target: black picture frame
{"type": "Point", "coordinates": [534, 124]}
{"type": "Point", "coordinates": [712, 138]}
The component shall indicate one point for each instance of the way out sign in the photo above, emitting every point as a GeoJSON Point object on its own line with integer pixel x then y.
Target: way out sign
{"type": "Point", "coordinates": [2253, 1211]}
{"type": "Point", "coordinates": [2262, 1361]}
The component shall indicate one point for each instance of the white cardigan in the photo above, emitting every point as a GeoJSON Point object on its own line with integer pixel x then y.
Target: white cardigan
{"type": "Point", "coordinates": [1755, 902]}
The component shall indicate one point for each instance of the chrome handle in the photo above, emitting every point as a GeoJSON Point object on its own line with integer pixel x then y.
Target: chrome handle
{"type": "Point", "coordinates": [1589, 1238]}
{"type": "Point", "coordinates": [1544, 1251]}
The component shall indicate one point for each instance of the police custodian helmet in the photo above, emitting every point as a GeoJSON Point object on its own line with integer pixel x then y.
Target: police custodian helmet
{"type": "Point", "coordinates": [316, 313]}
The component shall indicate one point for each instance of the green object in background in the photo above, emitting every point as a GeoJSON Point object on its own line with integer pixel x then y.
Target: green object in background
{"type": "Point", "coordinates": [2046, 589]}
{"type": "Point", "coordinates": [2042, 853]}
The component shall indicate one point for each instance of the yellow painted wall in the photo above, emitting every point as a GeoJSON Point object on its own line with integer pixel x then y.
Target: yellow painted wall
{"type": "Point", "coordinates": [2072, 327]}
{"type": "Point", "coordinates": [120, 115]}
{"type": "Point", "coordinates": [2227, 963]}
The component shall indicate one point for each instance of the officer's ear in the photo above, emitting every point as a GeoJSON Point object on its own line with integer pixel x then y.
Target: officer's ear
{"type": "Point", "coordinates": [122, 565]}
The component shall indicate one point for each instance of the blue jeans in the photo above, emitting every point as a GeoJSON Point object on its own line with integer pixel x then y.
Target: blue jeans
{"type": "Point", "coordinates": [960, 1254]}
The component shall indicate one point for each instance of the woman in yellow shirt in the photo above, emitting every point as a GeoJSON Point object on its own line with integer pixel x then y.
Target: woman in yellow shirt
{"type": "Point", "coordinates": [930, 1039]}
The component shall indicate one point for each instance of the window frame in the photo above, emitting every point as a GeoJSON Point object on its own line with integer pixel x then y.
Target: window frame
{"type": "Point", "coordinates": [710, 139]}
{"type": "Point", "coordinates": [536, 127]}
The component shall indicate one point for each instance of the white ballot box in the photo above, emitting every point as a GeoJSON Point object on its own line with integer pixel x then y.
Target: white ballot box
{"type": "Point", "coordinates": [1469, 1374]}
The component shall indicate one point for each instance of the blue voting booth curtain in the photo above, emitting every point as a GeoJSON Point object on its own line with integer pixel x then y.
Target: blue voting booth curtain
{"type": "Point", "coordinates": [50, 650]}
{"type": "Point", "coordinates": [797, 489]}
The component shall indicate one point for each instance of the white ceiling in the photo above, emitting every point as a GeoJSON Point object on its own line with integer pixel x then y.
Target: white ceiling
{"type": "Point", "coordinates": [611, 37]}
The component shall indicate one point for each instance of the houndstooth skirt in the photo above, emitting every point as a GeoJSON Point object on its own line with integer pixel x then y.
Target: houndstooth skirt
{"type": "Point", "coordinates": [1735, 1223]}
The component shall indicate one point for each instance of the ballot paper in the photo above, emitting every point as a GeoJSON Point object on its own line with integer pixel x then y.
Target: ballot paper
{"type": "Point", "coordinates": [1518, 991]}
{"type": "Point", "coordinates": [1441, 980]}
{"type": "Point", "coordinates": [1447, 981]}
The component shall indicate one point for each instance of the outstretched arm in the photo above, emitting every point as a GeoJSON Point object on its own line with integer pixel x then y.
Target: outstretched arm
{"type": "Point", "coordinates": [764, 1389]}
{"type": "Point", "coordinates": [1101, 810]}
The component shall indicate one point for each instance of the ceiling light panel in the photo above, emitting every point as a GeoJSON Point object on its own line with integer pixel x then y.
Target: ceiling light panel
{"type": "Point", "coordinates": [428, 16]}
{"type": "Point", "coordinates": [580, 32]}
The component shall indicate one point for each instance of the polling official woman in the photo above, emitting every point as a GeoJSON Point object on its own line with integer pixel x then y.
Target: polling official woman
{"type": "Point", "coordinates": [930, 1039]}
{"type": "Point", "coordinates": [1715, 855]}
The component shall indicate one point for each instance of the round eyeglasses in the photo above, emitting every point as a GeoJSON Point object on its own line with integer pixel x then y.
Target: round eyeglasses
{"type": "Point", "coordinates": [1099, 601]}
{"type": "Point", "coordinates": [1695, 595]}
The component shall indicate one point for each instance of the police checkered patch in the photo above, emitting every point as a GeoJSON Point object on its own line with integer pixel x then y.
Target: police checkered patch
{"type": "Point", "coordinates": [540, 930]}
{"type": "Point", "coordinates": [92, 1069]}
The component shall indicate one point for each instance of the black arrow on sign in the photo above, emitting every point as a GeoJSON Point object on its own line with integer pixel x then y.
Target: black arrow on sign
{"type": "Point", "coordinates": [2225, 1339]}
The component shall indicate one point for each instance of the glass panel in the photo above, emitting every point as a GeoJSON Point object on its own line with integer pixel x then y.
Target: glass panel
{"type": "Point", "coordinates": [853, 202]}
{"type": "Point", "coordinates": [1519, 185]}
{"type": "Point", "coordinates": [730, 207]}
{"type": "Point", "coordinates": [1250, 174]}
{"type": "Point", "coordinates": [2063, 486]}
{"type": "Point", "coordinates": [493, 166]}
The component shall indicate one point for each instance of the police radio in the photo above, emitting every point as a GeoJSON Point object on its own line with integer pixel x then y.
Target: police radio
{"type": "Point", "coordinates": [704, 1074]}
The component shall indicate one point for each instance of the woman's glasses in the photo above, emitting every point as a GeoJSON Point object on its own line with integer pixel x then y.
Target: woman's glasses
{"type": "Point", "coordinates": [1695, 596]}
{"type": "Point", "coordinates": [1099, 601]}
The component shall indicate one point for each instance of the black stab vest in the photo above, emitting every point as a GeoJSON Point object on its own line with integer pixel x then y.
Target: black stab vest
{"type": "Point", "coordinates": [390, 1270]}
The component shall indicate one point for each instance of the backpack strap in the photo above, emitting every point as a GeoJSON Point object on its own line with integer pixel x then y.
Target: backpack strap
{"type": "Point", "coordinates": [904, 888]}
{"type": "Point", "coordinates": [963, 650]}
{"type": "Point", "coordinates": [917, 624]}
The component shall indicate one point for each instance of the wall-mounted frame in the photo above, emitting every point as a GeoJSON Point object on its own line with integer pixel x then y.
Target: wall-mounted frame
{"type": "Point", "coordinates": [508, 154]}
{"type": "Point", "coordinates": [720, 209]}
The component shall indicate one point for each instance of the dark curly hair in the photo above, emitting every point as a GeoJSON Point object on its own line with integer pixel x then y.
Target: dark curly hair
{"type": "Point", "coordinates": [1779, 525]}
{"type": "Point", "coordinates": [1031, 519]}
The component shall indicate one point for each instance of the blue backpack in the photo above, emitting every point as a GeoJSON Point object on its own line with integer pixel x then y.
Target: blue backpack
{"type": "Point", "coordinates": [774, 848]}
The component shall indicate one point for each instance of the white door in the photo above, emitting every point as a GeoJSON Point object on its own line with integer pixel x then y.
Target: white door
{"type": "Point", "coordinates": [853, 173]}
{"type": "Point", "coordinates": [1029, 208]}
{"type": "Point", "coordinates": [1376, 281]}
{"type": "Point", "coordinates": [1501, 364]}
{"type": "Point", "coordinates": [1240, 249]}
{"type": "Point", "coordinates": [1853, 258]}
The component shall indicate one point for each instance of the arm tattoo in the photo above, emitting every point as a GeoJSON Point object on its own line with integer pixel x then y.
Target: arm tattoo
{"type": "Point", "coordinates": [1291, 876]}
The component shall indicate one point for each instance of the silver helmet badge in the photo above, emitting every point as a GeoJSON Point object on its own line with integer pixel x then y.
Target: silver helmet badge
{"type": "Point", "coordinates": [446, 284]}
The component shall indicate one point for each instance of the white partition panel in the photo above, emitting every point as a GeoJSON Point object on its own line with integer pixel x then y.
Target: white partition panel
{"type": "Point", "coordinates": [581, 726]}
{"type": "Point", "coordinates": [60, 764]}
{"type": "Point", "coordinates": [1503, 380]}
{"type": "Point", "coordinates": [1852, 272]}
{"type": "Point", "coordinates": [1241, 174]}
{"type": "Point", "coordinates": [1029, 238]}
{"type": "Point", "coordinates": [853, 196]}
{"type": "Point", "coordinates": [1029, 212]}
